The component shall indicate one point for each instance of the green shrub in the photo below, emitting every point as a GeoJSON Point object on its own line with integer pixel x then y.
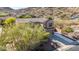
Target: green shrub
{"type": "Point", "coordinates": [67, 29]}
{"type": "Point", "coordinates": [23, 36]}
{"type": "Point", "coordinates": [22, 16]}
{"type": "Point", "coordinates": [26, 16]}
{"type": "Point", "coordinates": [9, 20]}
{"type": "Point", "coordinates": [49, 17]}
{"type": "Point", "coordinates": [2, 14]}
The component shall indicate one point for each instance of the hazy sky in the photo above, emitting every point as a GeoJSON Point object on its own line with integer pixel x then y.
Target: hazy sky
{"type": "Point", "coordinates": [18, 7]}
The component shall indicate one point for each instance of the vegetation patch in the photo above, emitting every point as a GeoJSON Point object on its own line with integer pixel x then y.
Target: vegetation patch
{"type": "Point", "coordinates": [22, 37]}
{"type": "Point", "coordinates": [67, 30]}
{"type": "Point", "coordinates": [26, 16]}
{"type": "Point", "coordinates": [9, 20]}
{"type": "Point", "coordinates": [2, 14]}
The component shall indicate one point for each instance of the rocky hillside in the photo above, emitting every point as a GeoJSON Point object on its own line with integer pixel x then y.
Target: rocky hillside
{"type": "Point", "coordinates": [38, 12]}
{"type": "Point", "coordinates": [58, 12]}
{"type": "Point", "coordinates": [5, 9]}
{"type": "Point", "coordinates": [66, 12]}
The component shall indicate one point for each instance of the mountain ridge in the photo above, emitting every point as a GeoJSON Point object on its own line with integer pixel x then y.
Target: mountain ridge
{"type": "Point", "coordinates": [59, 12]}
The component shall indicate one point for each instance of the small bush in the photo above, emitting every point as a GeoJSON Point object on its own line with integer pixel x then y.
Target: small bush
{"type": "Point", "coordinates": [67, 30]}
{"type": "Point", "coordinates": [49, 17]}
{"type": "Point", "coordinates": [26, 16]}
{"type": "Point", "coordinates": [2, 14]}
{"type": "Point", "coordinates": [1, 22]}
{"type": "Point", "coordinates": [10, 20]}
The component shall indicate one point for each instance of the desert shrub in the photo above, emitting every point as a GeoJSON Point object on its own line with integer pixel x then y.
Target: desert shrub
{"type": "Point", "coordinates": [1, 22]}
{"type": "Point", "coordinates": [2, 14]}
{"type": "Point", "coordinates": [49, 17]}
{"type": "Point", "coordinates": [67, 29]}
{"type": "Point", "coordinates": [21, 16]}
{"type": "Point", "coordinates": [9, 20]}
{"type": "Point", "coordinates": [62, 23]}
{"type": "Point", "coordinates": [26, 16]}
{"type": "Point", "coordinates": [23, 36]}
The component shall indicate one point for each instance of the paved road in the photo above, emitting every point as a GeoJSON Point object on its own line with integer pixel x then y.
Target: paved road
{"type": "Point", "coordinates": [75, 48]}
{"type": "Point", "coordinates": [63, 39]}
{"type": "Point", "coordinates": [64, 42]}
{"type": "Point", "coordinates": [31, 20]}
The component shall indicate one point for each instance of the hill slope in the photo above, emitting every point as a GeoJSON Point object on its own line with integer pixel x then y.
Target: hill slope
{"type": "Point", "coordinates": [59, 12]}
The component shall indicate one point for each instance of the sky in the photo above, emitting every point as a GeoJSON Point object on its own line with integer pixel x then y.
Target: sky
{"type": "Point", "coordinates": [18, 7]}
{"type": "Point", "coordinates": [39, 3]}
{"type": "Point", "coordinates": [18, 4]}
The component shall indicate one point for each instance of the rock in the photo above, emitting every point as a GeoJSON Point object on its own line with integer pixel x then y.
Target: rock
{"type": "Point", "coordinates": [10, 47]}
{"type": "Point", "coordinates": [76, 35]}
